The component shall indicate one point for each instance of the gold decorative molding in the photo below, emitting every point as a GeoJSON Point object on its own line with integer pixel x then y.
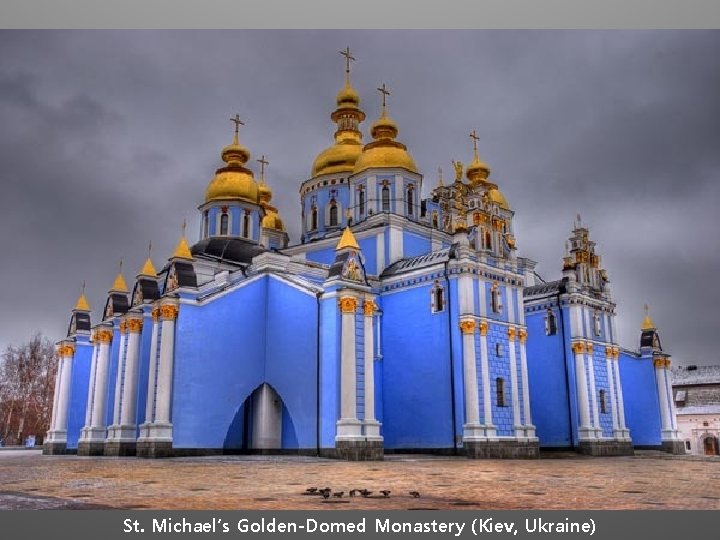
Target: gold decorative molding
{"type": "Point", "coordinates": [156, 314]}
{"type": "Point", "coordinates": [104, 336]}
{"type": "Point", "coordinates": [169, 312]}
{"type": "Point", "coordinates": [522, 333]}
{"type": "Point", "coordinates": [123, 326]}
{"type": "Point", "coordinates": [578, 347]}
{"type": "Point", "coordinates": [661, 363]}
{"type": "Point", "coordinates": [511, 333]}
{"type": "Point", "coordinates": [66, 351]}
{"type": "Point", "coordinates": [589, 347]}
{"type": "Point", "coordinates": [348, 304]}
{"type": "Point", "coordinates": [369, 307]}
{"type": "Point", "coordinates": [467, 326]}
{"type": "Point", "coordinates": [483, 325]}
{"type": "Point", "coordinates": [134, 326]}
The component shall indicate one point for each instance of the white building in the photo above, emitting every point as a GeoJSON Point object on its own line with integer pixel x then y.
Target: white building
{"type": "Point", "coordinates": [696, 391]}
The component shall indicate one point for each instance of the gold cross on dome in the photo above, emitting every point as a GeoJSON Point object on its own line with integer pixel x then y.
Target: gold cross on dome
{"type": "Point", "coordinates": [475, 138]}
{"type": "Point", "coordinates": [263, 162]}
{"type": "Point", "coordinates": [236, 120]}
{"type": "Point", "coordinates": [384, 92]}
{"type": "Point", "coordinates": [348, 58]}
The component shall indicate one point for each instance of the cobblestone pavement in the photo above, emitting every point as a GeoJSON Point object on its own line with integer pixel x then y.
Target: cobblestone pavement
{"type": "Point", "coordinates": [561, 481]}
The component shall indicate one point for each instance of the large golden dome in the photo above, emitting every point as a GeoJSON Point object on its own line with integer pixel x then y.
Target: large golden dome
{"type": "Point", "coordinates": [385, 151]}
{"type": "Point", "coordinates": [338, 158]}
{"type": "Point", "coordinates": [233, 181]}
{"type": "Point", "coordinates": [496, 196]}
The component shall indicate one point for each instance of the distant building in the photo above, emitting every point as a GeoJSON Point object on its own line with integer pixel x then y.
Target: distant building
{"type": "Point", "coordinates": [696, 390]}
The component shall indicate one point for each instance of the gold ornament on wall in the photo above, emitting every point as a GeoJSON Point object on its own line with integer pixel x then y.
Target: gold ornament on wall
{"type": "Point", "coordinates": [169, 312]}
{"type": "Point", "coordinates": [369, 307]}
{"type": "Point", "coordinates": [348, 304]}
{"type": "Point", "coordinates": [467, 326]}
{"type": "Point", "coordinates": [134, 326]}
{"type": "Point", "coordinates": [104, 336]}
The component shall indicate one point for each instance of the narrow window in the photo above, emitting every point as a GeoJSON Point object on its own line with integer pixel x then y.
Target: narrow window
{"type": "Point", "coordinates": [550, 323]}
{"type": "Point", "coordinates": [435, 219]}
{"type": "Point", "coordinates": [333, 214]}
{"type": "Point", "coordinates": [224, 223]}
{"type": "Point", "coordinates": [488, 240]}
{"type": "Point", "coordinates": [386, 198]}
{"type": "Point", "coordinates": [409, 197]}
{"type": "Point", "coordinates": [603, 403]}
{"type": "Point", "coordinates": [246, 226]}
{"type": "Point", "coordinates": [205, 224]}
{"type": "Point", "coordinates": [361, 201]}
{"type": "Point", "coordinates": [500, 391]}
{"type": "Point", "coordinates": [498, 350]}
{"type": "Point", "coordinates": [313, 220]}
{"type": "Point", "coordinates": [687, 445]}
{"type": "Point", "coordinates": [437, 298]}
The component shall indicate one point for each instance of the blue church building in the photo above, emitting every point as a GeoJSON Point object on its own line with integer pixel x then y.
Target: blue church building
{"type": "Point", "coordinates": [397, 324]}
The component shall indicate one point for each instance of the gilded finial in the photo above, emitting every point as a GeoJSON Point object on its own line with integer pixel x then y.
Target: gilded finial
{"type": "Point", "coordinates": [82, 303]}
{"type": "Point", "coordinates": [119, 284]}
{"type": "Point", "coordinates": [348, 58]}
{"type": "Point", "coordinates": [182, 251]}
{"type": "Point", "coordinates": [648, 323]}
{"type": "Point", "coordinates": [347, 240]}
{"type": "Point", "coordinates": [384, 92]}
{"type": "Point", "coordinates": [475, 139]}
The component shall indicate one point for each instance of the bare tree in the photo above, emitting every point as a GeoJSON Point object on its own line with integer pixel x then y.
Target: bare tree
{"type": "Point", "coordinates": [27, 384]}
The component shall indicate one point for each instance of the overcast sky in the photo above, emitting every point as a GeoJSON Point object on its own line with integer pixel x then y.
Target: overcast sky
{"type": "Point", "coordinates": [108, 140]}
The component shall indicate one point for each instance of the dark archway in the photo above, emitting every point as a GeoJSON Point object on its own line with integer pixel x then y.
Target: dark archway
{"type": "Point", "coordinates": [710, 445]}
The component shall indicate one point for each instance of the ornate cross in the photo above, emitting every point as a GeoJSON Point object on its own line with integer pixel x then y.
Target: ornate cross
{"type": "Point", "coordinates": [348, 58]}
{"type": "Point", "coordinates": [475, 139]}
{"type": "Point", "coordinates": [384, 92]}
{"type": "Point", "coordinates": [236, 120]}
{"type": "Point", "coordinates": [263, 162]}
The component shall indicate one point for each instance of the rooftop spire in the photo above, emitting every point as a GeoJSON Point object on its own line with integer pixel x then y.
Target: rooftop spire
{"type": "Point", "coordinates": [347, 240]}
{"type": "Point", "coordinates": [119, 284]}
{"type": "Point", "coordinates": [648, 323]}
{"type": "Point", "coordinates": [82, 303]}
{"type": "Point", "coordinates": [348, 58]}
{"type": "Point", "coordinates": [148, 268]}
{"type": "Point", "coordinates": [478, 171]}
{"type": "Point", "coordinates": [384, 92]}
{"type": "Point", "coordinates": [182, 251]}
{"type": "Point", "coordinates": [236, 120]}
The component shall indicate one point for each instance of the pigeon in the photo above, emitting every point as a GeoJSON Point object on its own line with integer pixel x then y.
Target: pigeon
{"type": "Point", "coordinates": [325, 494]}
{"type": "Point", "coordinates": [365, 493]}
{"type": "Point", "coordinates": [415, 494]}
{"type": "Point", "coordinates": [338, 494]}
{"type": "Point", "coordinates": [311, 490]}
{"type": "Point", "coordinates": [385, 492]}
{"type": "Point", "coordinates": [354, 492]}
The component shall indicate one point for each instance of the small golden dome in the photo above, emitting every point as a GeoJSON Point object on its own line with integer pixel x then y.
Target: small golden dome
{"type": "Point", "coordinates": [338, 158]}
{"type": "Point", "coordinates": [478, 171]}
{"type": "Point", "coordinates": [264, 191]}
{"type": "Point", "coordinates": [496, 196]}
{"type": "Point", "coordinates": [347, 97]}
{"type": "Point", "coordinates": [233, 181]}
{"type": "Point", "coordinates": [272, 220]}
{"type": "Point", "coordinates": [384, 151]}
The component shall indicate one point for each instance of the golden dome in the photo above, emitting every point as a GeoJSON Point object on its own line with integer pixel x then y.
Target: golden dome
{"type": "Point", "coordinates": [338, 158]}
{"type": "Point", "coordinates": [384, 151]}
{"type": "Point", "coordinates": [233, 181]}
{"type": "Point", "coordinates": [347, 97]}
{"type": "Point", "coordinates": [264, 191]}
{"type": "Point", "coordinates": [478, 171]}
{"type": "Point", "coordinates": [496, 196]}
{"type": "Point", "coordinates": [272, 220]}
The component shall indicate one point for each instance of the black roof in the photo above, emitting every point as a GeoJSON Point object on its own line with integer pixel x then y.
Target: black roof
{"type": "Point", "coordinates": [229, 249]}
{"type": "Point", "coordinates": [551, 287]}
{"type": "Point", "coordinates": [427, 259]}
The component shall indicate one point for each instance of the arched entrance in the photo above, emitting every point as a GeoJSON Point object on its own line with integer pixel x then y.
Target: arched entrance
{"type": "Point", "coordinates": [710, 446]}
{"type": "Point", "coordinates": [263, 419]}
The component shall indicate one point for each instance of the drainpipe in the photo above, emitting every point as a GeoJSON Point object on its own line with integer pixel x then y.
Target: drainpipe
{"type": "Point", "coordinates": [452, 359]}
{"type": "Point", "coordinates": [317, 376]}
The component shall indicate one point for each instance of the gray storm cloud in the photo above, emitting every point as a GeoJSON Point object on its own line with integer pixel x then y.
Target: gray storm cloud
{"type": "Point", "coordinates": [108, 140]}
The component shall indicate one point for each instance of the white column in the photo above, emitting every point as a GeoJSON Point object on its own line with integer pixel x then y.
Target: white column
{"type": "Point", "coordinates": [611, 386]}
{"type": "Point", "coordinates": [104, 336]}
{"type": "Point", "coordinates": [482, 298]}
{"type": "Point", "coordinates": [152, 374]}
{"type": "Point", "coordinates": [65, 386]}
{"type": "Point", "coordinates": [465, 292]}
{"type": "Point", "coordinates": [397, 203]}
{"type": "Point", "coordinates": [529, 427]}
{"type": "Point", "coordinates": [593, 390]}
{"type": "Point", "coordinates": [396, 244]}
{"type": "Point", "coordinates": [168, 314]}
{"type": "Point", "coordinates": [488, 425]}
{"type": "Point", "coordinates": [372, 426]}
{"type": "Point", "coordinates": [56, 394]}
{"type": "Point", "coordinates": [662, 398]}
{"type": "Point", "coordinates": [510, 296]}
{"type": "Point", "coordinates": [128, 408]}
{"type": "Point", "coordinates": [619, 391]}
{"type": "Point", "coordinates": [380, 251]}
{"type": "Point", "coordinates": [348, 427]}
{"type": "Point", "coordinates": [371, 197]}
{"type": "Point", "coordinates": [517, 424]}
{"type": "Point", "coordinates": [471, 429]}
{"type": "Point", "coordinates": [585, 429]}
{"type": "Point", "coordinates": [119, 377]}
{"type": "Point", "coordinates": [91, 387]}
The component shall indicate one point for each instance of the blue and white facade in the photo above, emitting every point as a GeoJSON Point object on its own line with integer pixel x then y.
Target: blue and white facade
{"type": "Point", "coordinates": [397, 324]}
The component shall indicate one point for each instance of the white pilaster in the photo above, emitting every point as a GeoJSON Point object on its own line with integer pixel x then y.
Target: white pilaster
{"type": "Point", "coordinates": [96, 430]}
{"type": "Point", "coordinates": [371, 197]}
{"type": "Point", "coordinates": [119, 379]}
{"type": "Point", "coordinates": [398, 204]}
{"type": "Point", "coordinates": [58, 432]}
{"type": "Point", "coordinates": [512, 357]}
{"type": "Point", "coordinates": [380, 251]}
{"type": "Point", "coordinates": [128, 406]}
{"type": "Point", "coordinates": [529, 427]}
{"type": "Point", "coordinates": [472, 429]}
{"type": "Point", "coordinates": [585, 430]}
{"type": "Point", "coordinates": [348, 427]}
{"type": "Point", "coordinates": [465, 292]}
{"type": "Point", "coordinates": [91, 387]}
{"type": "Point", "coordinates": [396, 244]}
{"type": "Point", "coordinates": [593, 390]}
{"type": "Point", "coordinates": [488, 426]}
{"type": "Point", "coordinates": [619, 391]}
{"type": "Point", "coordinates": [371, 425]}
{"type": "Point", "coordinates": [482, 293]}
{"type": "Point", "coordinates": [611, 386]}
{"type": "Point", "coordinates": [152, 372]}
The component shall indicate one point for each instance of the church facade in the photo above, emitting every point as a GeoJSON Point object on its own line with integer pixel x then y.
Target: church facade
{"type": "Point", "coordinates": [397, 324]}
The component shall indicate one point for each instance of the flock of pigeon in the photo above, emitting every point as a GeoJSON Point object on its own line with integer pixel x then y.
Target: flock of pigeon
{"type": "Point", "coordinates": [325, 493]}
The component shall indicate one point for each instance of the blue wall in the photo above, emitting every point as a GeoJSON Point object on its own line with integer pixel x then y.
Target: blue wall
{"type": "Point", "coordinates": [642, 410]}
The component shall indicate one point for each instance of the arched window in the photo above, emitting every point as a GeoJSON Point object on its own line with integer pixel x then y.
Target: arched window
{"type": "Point", "coordinates": [246, 226]}
{"type": "Point", "coordinates": [409, 201]}
{"type": "Point", "coordinates": [550, 323]}
{"type": "Point", "coordinates": [224, 218]}
{"type": "Point", "coordinates": [500, 391]}
{"type": "Point", "coordinates": [488, 240]}
{"type": "Point", "coordinates": [437, 300]}
{"type": "Point", "coordinates": [476, 218]}
{"type": "Point", "coordinates": [496, 299]}
{"type": "Point", "coordinates": [435, 219]}
{"type": "Point", "coordinates": [206, 225]}
{"type": "Point", "coordinates": [498, 350]}
{"type": "Point", "coordinates": [333, 214]}
{"type": "Point", "coordinates": [313, 218]}
{"type": "Point", "coordinates": [603, 402]}
{"type": "Point", "coordinates": [361, 201]}
{"type": "Point", "coordinates": [386, 198]}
